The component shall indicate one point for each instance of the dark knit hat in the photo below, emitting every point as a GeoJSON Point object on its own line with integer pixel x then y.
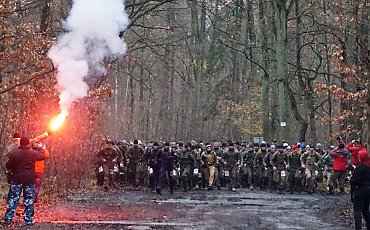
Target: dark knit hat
{"type": "Point", "coordinates": [166, 143]}
{"type": "Point", "coordinates": [24, 141]}
{"type": "Point", "coordinates": [155, 144]}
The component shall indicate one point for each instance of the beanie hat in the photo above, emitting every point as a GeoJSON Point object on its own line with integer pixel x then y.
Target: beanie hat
{"type": "Point", "coordinates": [17, 135]}
{"type": "Point", "coordinates": [363, 157]}
{"type": "Point", "coordinates": [24, 141]}
{"type": "Point", "coordinates": [166, 143]}
{"type": "Point", "coordinates": [155, 144]}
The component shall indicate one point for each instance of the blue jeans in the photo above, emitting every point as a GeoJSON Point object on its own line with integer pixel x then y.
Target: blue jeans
{"type": "Point", "coordinates": [28, 201]}
{"type": "Point", "coordinates": [162, 174]}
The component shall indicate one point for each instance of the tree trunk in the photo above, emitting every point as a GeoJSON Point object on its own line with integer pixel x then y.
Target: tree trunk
{"type": "Point", "coordinates": [302, 121]}
{"type": "Point", "coordinates": [282, 66]}
{"type": "Point", "coordinates": [328, 79]}
{"type": "Point", "coordinates": [131, 130]}
{"type": "Point", "coordinates": [45, 16]}
{"type": "Point", "coordinates": [265, 95]}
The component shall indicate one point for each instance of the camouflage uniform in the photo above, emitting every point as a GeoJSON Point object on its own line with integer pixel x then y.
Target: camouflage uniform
{"type": "Point", "coordinates": [209, 160]}
{"type": "Point", "coordinates": [328, 168]}
{"type": "Point", "coordinates": [279, 161]}
{"type": "Point", "coordinates": [310, 161]}
{"type": "Point", "coordinates": [106, 160]}
{"type": "Point", "coordinates": [259, 168]}
{"type": "Point", "coordinates": [197, 172]}
{"type": "Point", "coordinates": [13, 199]}
{"type": "Point", "coordinates": [116, 163]}
{"type": "Point", "coordinates": [219, 168]}
{"type": "Point", "coordinates": [135, 156]}
{"type": "Point", "coordinates": [121, 161]}
{"type": "Point", "coordinates": [247, 167]}
{"type": "Point", "coordinates": [231, 159]}
{"type": "Point", "coordinates": [187, 162]}
{"type": "Point", "coordinates": [320, 176]}
{"type": "Point", "coordinates": [268, 175]}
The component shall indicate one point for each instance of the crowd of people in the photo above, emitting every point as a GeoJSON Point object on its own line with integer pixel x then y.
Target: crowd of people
{"type": "Point", "coordinates": [276, 167]}
{"type": "Point", "coordinates": [279, 167]}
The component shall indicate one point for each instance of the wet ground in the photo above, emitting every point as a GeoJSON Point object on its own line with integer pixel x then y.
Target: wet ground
{"type": "Point", "coordinates": [142, 209]}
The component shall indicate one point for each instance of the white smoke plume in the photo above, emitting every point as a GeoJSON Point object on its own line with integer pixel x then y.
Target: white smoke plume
{"type": "Point", "coordinates": [92, 36]}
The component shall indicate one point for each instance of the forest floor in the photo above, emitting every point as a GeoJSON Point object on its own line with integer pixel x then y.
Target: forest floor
{"type": "Point", "coordinates": [216, 209]}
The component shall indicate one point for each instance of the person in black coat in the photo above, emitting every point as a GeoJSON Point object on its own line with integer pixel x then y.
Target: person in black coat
{"type": "Point", "coordinates": [21, 164]}
{"type": "Point", "coordinates": [151, 159]}
{"type": "Point", "coordinates": [166, 158]}
{"type": "Point", "coordinates": [360, 190]}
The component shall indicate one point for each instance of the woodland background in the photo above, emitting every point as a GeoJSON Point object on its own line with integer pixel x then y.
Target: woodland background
{"type": "Point", "coordinates": [196, 69]}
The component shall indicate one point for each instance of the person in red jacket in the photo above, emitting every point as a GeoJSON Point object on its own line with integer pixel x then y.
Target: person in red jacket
{"type": "Point", "coordinates": [354, 147]}
{"type": "Point", "coordinates": [360, 190]}
{"type": "Point", "coordinates": [340, 157]}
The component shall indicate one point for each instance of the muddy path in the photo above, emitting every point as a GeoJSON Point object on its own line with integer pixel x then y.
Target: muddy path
{"type": "Point", "coordinates": [142, 209]}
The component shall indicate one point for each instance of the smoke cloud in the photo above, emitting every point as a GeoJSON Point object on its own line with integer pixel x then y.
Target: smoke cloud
{"type": "Point", "coordinates": [92, 37]}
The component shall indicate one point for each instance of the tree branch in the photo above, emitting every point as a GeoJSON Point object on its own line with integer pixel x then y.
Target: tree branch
{"type": "Point", "coordinates": [27, 81]}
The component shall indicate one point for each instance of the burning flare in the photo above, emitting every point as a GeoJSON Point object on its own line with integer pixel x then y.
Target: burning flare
{"type": "Point", "coordinates": [57, 122]}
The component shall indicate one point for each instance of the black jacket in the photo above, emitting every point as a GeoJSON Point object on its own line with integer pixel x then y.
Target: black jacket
{"type": "Point", "coordinates": [361, 177]}
{"type": "Point", "coordinates": [21, 164]}
{"type": "Point", "coordinates": [151, 158]}
{"type": "Point", "coordinates": [167, 158]}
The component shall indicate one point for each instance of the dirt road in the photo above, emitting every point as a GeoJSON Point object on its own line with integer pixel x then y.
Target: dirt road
{"type": "Point", "coordinates": [243, 209]}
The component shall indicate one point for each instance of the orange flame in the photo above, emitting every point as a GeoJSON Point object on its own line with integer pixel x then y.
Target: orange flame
{"type": "Point", "coordinates": [57, 122]}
